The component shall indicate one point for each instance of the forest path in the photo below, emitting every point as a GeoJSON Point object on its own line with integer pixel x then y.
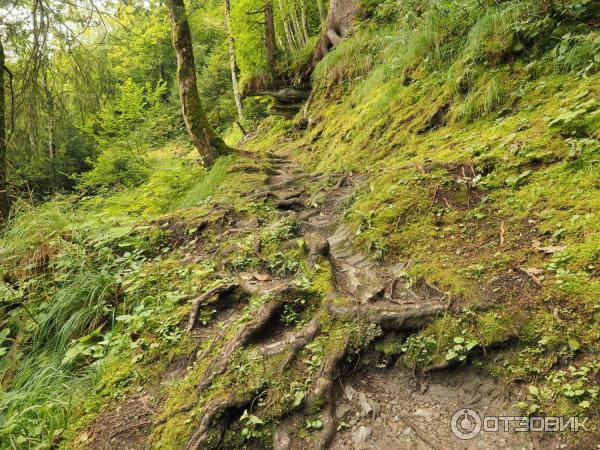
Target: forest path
{"type": "Point", "coordinates": [372, 403]}
{"type": "Point", "coordinates": [380, 407]}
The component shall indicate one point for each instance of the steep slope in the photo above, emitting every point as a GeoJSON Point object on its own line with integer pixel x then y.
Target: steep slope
{"type": "Point", "coordinates": [422, 238]}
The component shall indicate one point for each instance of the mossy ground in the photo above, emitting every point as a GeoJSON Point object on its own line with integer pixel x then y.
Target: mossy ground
{"type": "Point", "coordinates": [469, 190]}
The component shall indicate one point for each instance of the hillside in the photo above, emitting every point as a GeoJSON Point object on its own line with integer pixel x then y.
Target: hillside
{"type": "Point", "coordinates": [420, 238]}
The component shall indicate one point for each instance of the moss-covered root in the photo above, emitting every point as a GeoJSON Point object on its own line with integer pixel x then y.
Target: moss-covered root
{"type": "Point", "coordinates": [295, 343]}
{"type": "Point", "coordinates": [262, 317]}
{"type": "Point", "coordinates": [322, 391]}
{"type": "Point", "coordinates": [211, 426]}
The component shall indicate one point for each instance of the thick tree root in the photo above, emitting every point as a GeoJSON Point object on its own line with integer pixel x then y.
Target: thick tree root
{"type": "Point", "coordinates": [261, 318]}
{"type": "Point", "coordinates": [210, 425]}
{"type": "Point", "coordinates": [329, 422]}
{"type": "Point", "coordinates": [198, 302]}
{"type": "Point", "coordinates": [324, 381]}
{"type": "Point", "coordinates": [391, 317]}
{"type": "Point", "coordinates": [294, 343]}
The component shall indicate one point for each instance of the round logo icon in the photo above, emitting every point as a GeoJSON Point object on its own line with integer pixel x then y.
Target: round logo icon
{"type": "Point", "coordinates": [465, 424]}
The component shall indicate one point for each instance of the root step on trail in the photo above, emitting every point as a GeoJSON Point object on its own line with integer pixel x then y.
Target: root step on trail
{"type": "Point", "coordinates": [361, 290]}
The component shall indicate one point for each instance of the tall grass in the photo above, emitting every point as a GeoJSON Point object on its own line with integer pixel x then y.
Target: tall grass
{"type": "Point", "coordinates": [78, 307]}
{"type": "Point", "coordinates": [32, 234]}
{"type": "Point", "coordinates": [41, 398]}
{"type": "Point", "coordinates": [352, 59]}
{"type": "Point", "coordinates": [495, 35]}
{"type": "Point", "coordinates": [481, 102]}
{"type": "Point", "coordinates": [578, 52]}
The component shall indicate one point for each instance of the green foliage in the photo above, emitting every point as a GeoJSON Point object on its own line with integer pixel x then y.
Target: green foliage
{"type": "Point", "coordinates": [498, 32]}
{"type": "Point", "coordinates": [578, 53]}
{"type": "Point", "coordinates": [251, 426]}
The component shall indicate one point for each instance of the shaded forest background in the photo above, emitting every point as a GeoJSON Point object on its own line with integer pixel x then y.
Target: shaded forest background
{"type": "Point", "coordinates": [93, 83]}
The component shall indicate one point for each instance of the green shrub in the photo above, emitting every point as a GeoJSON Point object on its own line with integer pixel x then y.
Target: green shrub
{"type": "Point", "coordinates": [114, 168]}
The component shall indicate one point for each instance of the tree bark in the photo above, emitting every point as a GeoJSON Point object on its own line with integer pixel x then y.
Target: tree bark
{"type": "Point", "coordinates": [4, 203]}
{"type": "Point", "coordinates": [232, 63]}
{"type": "Point", "coordinates": [304, 21]}
{"type": "Point", "coordinates": [298, 28]}
{"type": "Point", "coordinates": [205, 139]}
{"type": "Point", "coordinates": [340, 22]}
{"type": "Point", "coordinates": [322, 15]}
{"type": "Point", "coordinates": [270, 35]}
{"type": "Point", "coordinates": [286, 26]}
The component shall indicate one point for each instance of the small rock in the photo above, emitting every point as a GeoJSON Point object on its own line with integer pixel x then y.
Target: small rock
{"type": "Point", "coordinates": [361, 435]}
{"type": "Point", "coordinates": [281, 440]}
{"type": "Point", "coordinates": [375, 407]}
{"type": "Point", "coordinates": [341, 410]}
{"type": "Point", "coordinates": [349, 392]}
{"type": "Point", "coordinates": [425, 413]}
{"type": "Point", "coordinates": [352, 422]}
{"type": "Point", "coordinates": [408, 431]}
{"type": "Point", "coordinates": [261, 276]}
{"type": "Point", "coordinates": [364, 404]}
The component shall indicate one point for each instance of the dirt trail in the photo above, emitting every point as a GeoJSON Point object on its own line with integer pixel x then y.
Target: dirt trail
{"type": "Point", "coordinates": [367, 406]}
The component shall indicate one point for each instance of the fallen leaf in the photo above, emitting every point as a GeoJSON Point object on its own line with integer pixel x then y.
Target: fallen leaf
{"type": "Point", "coordinates": [533, 273]}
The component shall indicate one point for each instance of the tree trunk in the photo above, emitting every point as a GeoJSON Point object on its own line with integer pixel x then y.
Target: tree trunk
{"type": "Point", "coordinates": [51, 125]}
{"type": "Point", "coordinates": [340, 22]}
{"type": "Point", "coordinates": [232, 63]}
{"type": "Point", "coordinates": [322, 15]}
{"type": "Point", "coordinates": [4, 204]}
{"type": "Point", "coordinates": [270, 35]}
{"type": "Point", "coordinates": [203, 136]}
{"type": "Point", "coordinates": [286, 27]}
{"type": "Point", "coordinates": [298, 28]}
{"type": "Point", "coordinates": [304, 21]}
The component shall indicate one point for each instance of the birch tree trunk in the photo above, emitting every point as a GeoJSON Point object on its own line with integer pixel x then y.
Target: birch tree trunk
{"type": "Point", "coordinates": [205, 139]}
{"type": "Point", "coordinates": [322, 14]}
{"type": "Point", "coordinates": [297, 29]}
{"type": "Point", "coordinates": [232, 63]}
{"type": "Point", "coordinates": [286, 26]}
{"type": "Point", "coordinates": [304, 21]}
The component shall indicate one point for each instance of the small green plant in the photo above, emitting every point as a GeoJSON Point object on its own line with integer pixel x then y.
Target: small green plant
{"type": "Point", "coordinates": [252, 426]}
{"type": "Point", "coordinates": [290, 312]}
{"type": "Point", "coordinates": [575, 384]}
{"type": "Point", "coordinates": [315, 423]}
{"type": "Point", "coordinates": [282, 264]}
{"type": "Point", "coordinates": [461, 348]}
{"type": "Point", "coordinates": [282, 230]}
{"type": "Point", "coordinates": [419, 350]}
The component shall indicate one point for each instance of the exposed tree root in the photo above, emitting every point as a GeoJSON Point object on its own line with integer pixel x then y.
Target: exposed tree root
{"type": "Point", "coordinates": [419, 432]}
{"type": "Point", "coordinates": [198, 302]}
{"type": "Point", "coordinates": [329, 422]}
{"type": "Point", "coordinates": [391, 317]}
{"type": "Point", "coordinates": [210, 425]}
{"type": "Point", "coordinates": [261, 318]}
{"type": "Point", "coordinates": [294, 343]}
{"type": "Point", "coordinates": [290, 203]}
{"type": "Point", "coordinates": [324, 380]}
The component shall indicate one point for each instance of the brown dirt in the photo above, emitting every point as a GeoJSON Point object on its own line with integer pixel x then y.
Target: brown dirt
{"type": "Point", "coordinates": [429, 402]}
{"type": "Point", "coordinates": [125, 427]}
